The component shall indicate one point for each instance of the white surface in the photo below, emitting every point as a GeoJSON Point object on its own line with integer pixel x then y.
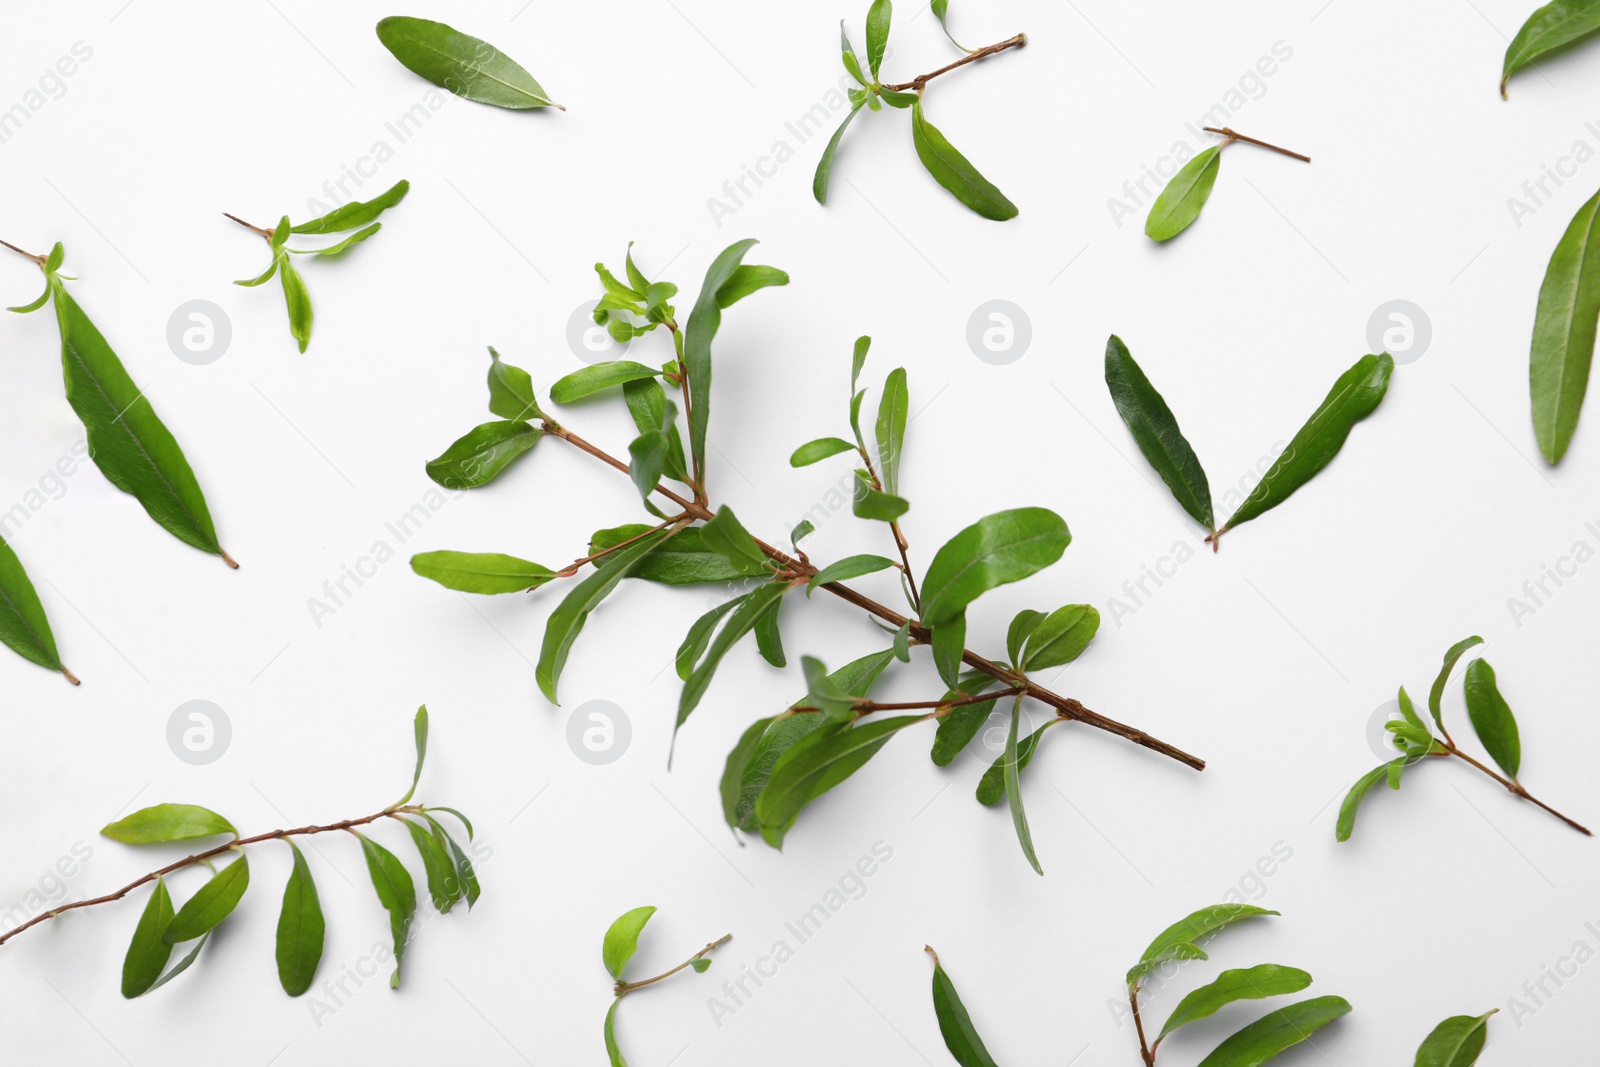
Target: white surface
{"type": "Point", "coordinates": [1267, 659]}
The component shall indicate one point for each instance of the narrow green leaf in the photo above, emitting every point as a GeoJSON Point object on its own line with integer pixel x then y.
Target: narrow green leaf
{"type": "Point", "coordinates": [1548, 30]}
{"type": "Point", "coordinates": [726, 536]}
{"type": "Point", "coordinates": [1356, 394]}
{"type": "Point", "coordinates": [211, 904]}
{"type": "Point", "coordinates": [1492, 719]}
{"type": "Point", "coordinates": [992, 786]}
{"type": "Point", "coordinates": [148, 952]}
{"type": "Point", "coordinates": [847, 568]}
{"type": "Point", "coordinates": [647, 403]}
{"type": "Point", "coordinates": [443, 889]}
{"type": "Point", "coordinates": [1358, 793]}
{"type": "Point", "coordinates": [852, 62]}
{"type": "Point", "coordinates": [1156, 432]}
{"type": "Point", "coordinates": [949, 646]}
{"type": "Point", "coordinates": [511, 391]}
{"type": "Point", "coordinates": [955, 1025]}
{"type": "Point", "coordinates": [819, 182]}
{"type": "Point", "coordinates": [419, 729]}
{"type": "Point", "coordinates": [747, 279]}
{"type": "Point", "coordinates": [1283, 1029]}
{"type": "Point", "coordinates": [1189, 931]}
{"type": "Point", "coordinates": [622, 939]}
{"type": "Point", "coordinates": [1005, 547]}
{"type": "Point", "coordinates": [482, 454]}
{"type": "Point", "coordinates": [466, 878]}
{"type": "Point", "coordinates": [300, 928]}
{"type": "Point", "coordinates": [858, 360]}
{"type": "Point", "coordinates": [960, 725]}
{"type": "Point", "coordinates": [168, 822]}
{"type": "Point", "coordinates": [473, 69]}
{"type": "Point", "coordinates": [1456, 1042]}
{"type": "Point", "coordinates": [878, 18]}
{"type": "Point", "coordinates": [592, 379]}
{"type": "Point", "coordinates": [1564, 331]}
{"type": "Point", "coordinates": [1436, 694]}
{"type": "Point", "coordinates": [738, 765]}
{"type": "Point", "coordinates": [481, 572]}
{"type": "Point", "coordinates": [941, 10]}
{"type": "Point", "coordinates": [952, 170]}
{"type": "Point", "coordinates": [769, 638]}
{"type": "Point", "coordinates": [902, 642]}
{"type": "Point", "coordinates": [1013, 786]}
{"type": "Point", "coordinates": [397, 893]}
{"type": "Point", "coordinates": [1180, 202]}
{"type": "Point", "coordinates": [612, 1049]}
{"type": "Point", "coordinates": [699, 636]}
{"type": "Point", "coordinates": [892, 413]}
{"type": "Point", "coordinates": [685, 560]}
{"type": "Point", "coordinates": [249, 283]}
{"type": "Point", "coordinates": [873, 503]}
{"type": "Point", "coordinates": [742, 621]}
{"type": "Point", "coordinates": [23, 625]}
{"type": "Point", "coordinates": [820, 449]}
{"type": "Point", "coordinates": [357, 214]}
{"type": "Point", "coordinates": [333, 251]}
{"type": "Point", "coordinates": [1254, 983]}
{"type": "Point", "coordinates": [815, 764]}
{"type": "Point", "coordinates": [298, 300]}
{"type": "Point", "coordinates": [1062, 637]}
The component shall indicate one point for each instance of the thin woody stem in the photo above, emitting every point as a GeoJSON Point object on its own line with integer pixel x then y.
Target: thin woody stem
{"type": "Point", "coordinates": [37, 259]}
{"type": "Point", "coordinates": [867, 707]}
{"type": "Point", "coordinates": [572, 568]}
{"type": "Point", "coordinates": [1232, 136]}
{"type": "Point", "coordinates": [688, 414]}
{"type": "Point", "coordinates": [1145, 1050]}
{"type": "Point", "coordinates": [628, 987]}
{"type": "Point", "coordinates": [1516, 789]}
{"type": "Point", "coordinates": [900, 541]}
{"type": "Point", "coordinates": [201, 857]}
{"type": "Point", "coordinates": [268, 234]}
{"type": "Point", "coordinates": [915, 85]}
{"type": "Point", "coordinates": [1066, 706]}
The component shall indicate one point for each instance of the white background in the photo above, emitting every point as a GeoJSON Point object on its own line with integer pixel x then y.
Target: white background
{"type": "Point", "coordinates": [1268, 659]}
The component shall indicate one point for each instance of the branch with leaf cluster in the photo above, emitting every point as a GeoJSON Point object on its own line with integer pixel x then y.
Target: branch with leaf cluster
{"type": "Point", "coordinates": [785, 761]}
{"type": "Point", "coordinates": [301, 924]}
{"type": "Point", "coordinates": [621, 942]}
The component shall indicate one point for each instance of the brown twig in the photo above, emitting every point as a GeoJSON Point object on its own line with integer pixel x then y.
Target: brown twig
{"type": "Point", "coordinates": [867, 707]}
{"type": "Point", "coordinates": [1145, 1050]}
{"type": "Point", "coordinates": [917, 84]}
{"type": "Point", "coordinates": [1232, 136]}
{"type": "Point", "coordinates": [628, 987]}
{"type": "Point", "coordinates": [900, 541]}
{"type": "Point", "coordinates": [37, 259]}
{"type": "Point", "coordinates": [268, 234]}
{"type": "Point", "coordinates": [572, 568]}
{"type": "Point", "coordinates": [1515, 789]}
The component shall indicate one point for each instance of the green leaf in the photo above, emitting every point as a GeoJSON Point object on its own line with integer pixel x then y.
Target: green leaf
{"type": "Point", "coordinates": [1436, 694]}
{"type": "Point", "coordinates": [804, 529]}
{"type": "Point", "coordinates": [820, 449]}
{"type": "Point", "coordinates": [1549, 29]}
{"type": "Point", "coordinates": [481, 572]}
{"type": "Point", "coordinates": [815, 764]}
{"type": "Point", "coordinates": [567, 621]}
{"type": "Point", "coordinates": [1005, 547]}
{"type": "Point", "coordinates": [748, 279]}
{"type": "Point", "coordinates": [824, 174]}
{"type": "Point", "coordinates": [622, 939]}
{"type": "Point", "coordinates": [355, 215]}
{"type": "Point", "coordinates": [873, 503]}
{"type": "Point", "coordinates": [1409, 711]}
{"type": "Point", "coordinates": [647, 455]}
{"type": "Point", "coordinates": [168, 822]}
{"type": "Point", "coordinates": [1358, 792]}
{"type": "Point", "coordinates": [699, 636]}
{"type": "Point", "coordinates": [148, 952]}
{"type": "Point", "coordinates": [213, 903]}
{"type": "Point", "coordinates": [878, 17]}
{"type": "Point", "coordinates": [731, 787]}
{"type": "Point", "coordinates": [280, 234]}
{"type": "Point", "coordinates": [949, 646]}
{"type": "Point", "coordinates": [769, 638]}
{"type": "Point", "coordinates": [992, 786]}
{"type": "Point", "coordinates": [1022, 626]}
{"type": "Point", "coordinates": [726, 536]}
{"type": "Point", "coordinates": [1062, 637]}
{"type": "Point", "coordinates": [1564, 331]}
{"type": "Point", "coordinates": [300, 928]}
{"type": "Point", "coordinates": [397, 893]}
{"type": "Point", "coordinates": [23, 624]}
{"type": "Point", "coordinates": [612, 1049]}
{"type": "Point", "coordinates": [1492, 719]}
{"type": "Point", "coordinates": [1156, 432]}
{"type": "Point", "coordinates": [466, 66]}
{"type": "Point", "coordinates": [466, 879]}
{"type": "Point", "coordinates": [742, 621]}
{"type": "Point", "coordinates": [685, 560]}
{"type": "Point", "coordinates": [647, 403]}
{"type": "Point", "coordinates": [892, 412]}
{"type": "Point", "coordinates": [1180, 202]}
{"type": "Point", "coordinates": [298, 300]}
{"type": "Point", "coordinates": [902, 642]}
{"type": "Point", "coordinates": [1180, 940]}
{"type": "Point", "coordinates": [858, 360]}
{"type": "Point", "coordinates": [1456, 1042]}
{"type": "Point", "coordinates": [333, 251]}
{"type": "Point", "coordinates": [1356, 394]}
{"type": "Point", "coordinates": [419, 728]}
{"type": "Point", "coordinates": [897, 99]}
{"type": "Point", "coordinates": [955, 1025]}
{"type": "Point", "coordinates": [592, 379]}
{"type": "Point", "coordinates": [130, 445]}
{"type": "Point", "coordinates": [1254, 983]}
{"type": "Point", "coordinates": [952, 170]}
{"type": "Point", "coordinates": [249, 283]}
{"type": "Point", "coordinates": [1283, 1029]}
{"type": "Point", "coordinates": [941, 10]}
{"type": "Point", "coordinates": [960, 725]}
{"type": "Point", "coordinates": [443, 888]}
{"type": "Point", "coordinates": [824, 694]}
{"type": "Point", "coordinates": [511, 391]}
{"type": "Point", "coordinates": [183, 964]}
{"type": "Point", "coordinates": [483, 454]}
{"type": "Point", "coordinates": [847, 568]}
{"type": "Point", "coordinates": [1019, 818]}
{"type": "Point", "coordinates": [852, 62]}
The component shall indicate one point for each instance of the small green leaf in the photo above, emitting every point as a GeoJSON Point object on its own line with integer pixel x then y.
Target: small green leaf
{"type": "Point", "coordinates": [878, 18]}
{"type": "Point", "coordinates": [1022, 625]}
{"type": "Point", "coordinates": [949, 647]}
{"type": "Point", "coordinates": [1358, 792]}
{"type": "Point", "coordinates": [333, 251]}
{"type": "Point", "coordinates": [852, 62]}
{"type": "Point", "coordinates": [419, 729]}
{"type": "Point", "coordinates": [612, 1049]}
{"type": "Point", "coordinates": [824, 694]}
{"type": "Point", "coordinates": [960, 725]}
{"type": "Point", "coordinates": [699, 636]}
{"type": "Point", "coordinates": [148, 952]}
{"type": "Point", "coordinates": [747, 279]}
{"type": "Point", "coordinates": [23, 624]}
{"type": "Point", "coordinates": [892, 414]}
{"type": "Point", "coordinates": [858, 360]}
{"type": "Point", "coordinates": [819, 182]}
{"type": "Point", "coordinates": [815, 764]}
{"type": "Point", "coordinates": [902, 642]}
{"type": "Point", "coordinates": [481, 572]}
{"type": "Point", "coordinates": [1180, 202]}
{"type": "Point", "coordinates": [1019, 818]}
{"type": "Point", "coordinates": [1549, 29]}
{"type": "Point", "coordinates": [992, 786]}
{"type": "Point", "coordinates": [1456, 1042]}
{"type": "Point", "coordinates": [592, 379]}
{"type": "Point", "coordinates": [648, 453]}
{"type": "Point", "coordinates": [1156, 432]}
{"type": "Point", "coordinates": [726, 536]}
{"type": "Point", "coordinates": [1254, 983]}
{"type": "Point", "coordinates": [1564, 330]}
{"type": "Point", "coordinates": [769, 638]}
{"type": "Point", "coordinates": [1283, 1029]}
{"type": "Point", "coordinates": [357, 214]}
{"type": "Point", "coordinates": [298, 300]}
{"type": "Point", "coordinates": [744, 619]}
{"type": "Point", "coordinates": [1409, 710]}
{"type": "Point", "coordinates": [952, 170]}
{"type": "Point", "coordinates": [168, 822]}
{"type": "Point", "coordinates": [647, 403]}
{"type": "Point", "coordinates": [1005, 547]}
{"type": "Point", "coordinates": [443, 888]}
{"type": "Point", "coordinates": [897, 99]}
{"type": "Point", "coordinates": [1180, 940]}
{"type": "Point", "coordinates": [511, 391]}
{"type": "Point", "coordinates": [1062, 637]}
{"type": "Point", "coordinates": [1436, 694]}
{"type": "Point", "coordinates": [213, 903]}
{"type": "Point", "coordinates": [622, 939]}
{"type": "Point", "coordinates": [397, 893]}
{"type": "Point", "coordinates": [300, 928]}
{"type": "Point", "coordinates": [1492, 719]}
{"type": "Point", "coordinates": [701, 965]}
{"type": "Point", "coordinates": [874, 504]}
{"type": "Point", "coordinates": [249, 283]}
{"type": "Point", "coordinates": [818, 450]}
{"type": "Point", "coordinates": [804, 529]}
{"type": "Point", "coordinates": [473, 69]}
{"type": "Point", "coordinates": [955, 1025]}
{"type": "Point", "coordinates": [847, 568]}
{"type": "Point", "coordinates": [483, 454]}
{"type": "Point", "coordinates": [685, 560]}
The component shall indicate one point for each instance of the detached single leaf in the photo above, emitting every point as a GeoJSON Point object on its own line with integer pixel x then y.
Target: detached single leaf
{"type": "Point", "coordinates": [622, 939]}
{"type": "Point", "coordinates": [819, 183]}
{"type": "Point", "coordinates": [1062, 637]}
{"type": "Point", "coordinates": [592, 379]}
{"type": "Point", "coordinates": [1456, 1042]}
{"type": "Point", "coordinates": [955, 1025]}
{"type": "Point", "coordinates": [1356, 394]}
{"type": "Point", "coordinates": [211, 904]}
{"type": "Point", "coordinates": [1554, 26]}
{"type": "Point", "coordinates": [1283, 1029]}
{"type": "Point", "coordinates": [473, 69]}
{"type": "Point", "coordinates": [952, 170]}
{"type": "Point", "coordinates": [1436, 694]}
{"type": "Point", "coordinates": [1492, 719]}
{"type": "Point", "coordinates": [148, 952]}
{"type": "Point", "coordinates": [815, 764]}
{"type": "Point", "coordinates": [23, 625]}
{"type": "Point", "coordinates": [1156, 432]}
{"type": "Point", "coordinates": [1007, 546]}
{"type": "Point", "coordinates": [1358, 793]}
{"type": "Point", "coordinates": [1180, 202]}
{"type": "Point", "coordinates": [1254, 983]}
{"type": "Point", "coordinates": [355, 215]}
{"type": "Point", "coordinates": [396, 892]}
{"type": "Point", "coordinates": [300, 928]}
{"type": "Point", "coordinates": [168, 822]}
{"type": "Point", "coordinates": [481, 572]}
{"type": "Point", "coordinates": [1564, 330]}
{"type": "Point", "coordinates": [483, 454]}
{"type": "Point", "coordinates": [1177, 940]}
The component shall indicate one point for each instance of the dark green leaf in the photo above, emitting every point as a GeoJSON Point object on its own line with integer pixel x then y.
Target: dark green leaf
{"type": "Point", "coordinates": [1549, 29]}
{"type": "Point", "coordinates": [1283, 1029]}
{"type": "Point", "coordinates": [1254, 983]}
{"type": "Point", "coordinates": [148, 952]}
{"type": "Point", "coordinates": [685, 560]}
{"type": "Point", "coordinates": [952, 170]}
{"type": "Point", "coordinates": [1004, 547]}
{"type": "Point", "coordinates": [820, 449]}
{"type": "Point", "coordinates": [1436, 694]}
{"type": "Point", "coordinates": [466, 879]}
{"type": "Point", "coordinates": [815, 764]}
{"type": "Point", "coordinates": [992, 786]}
{"type": "Point", "coordinates": [1356, 394]}
{"type": "Point", "coordinates": [647, 403]}
{"type": "Point", "coordinates": [1564, 330]}
{"type": "Point", "coordinates": [726, 536]}
{"type": "Point", "coordinates": [1358, 792]}
{"type": "Point", "coordinates": [481, 572]}
{"type": "Point", "coordinates": [1180, 202]}
{"type": "Point", "coordinates": [648, 453]}
{"type": "Point", "coordinates": [298, 300]}
{"type": "Point", "coordinates": [1456, 1042]}
{"type": "Point", "coordinates": [443, 889]}
{"type": "Point", "coordinates": [949, 646]}
{"type": "Point", "coordinates": [23, 624]}
{"type": "Point", "coordinates": [482, 454]}
{"type": "Point", "coordinates": [1156, 432]}
{"type": "Point", "coordinates": [819, 182]}
{"type": "Point", "coordinates": [300, 929]}
{"type": "Point", "coordinates": [960, 725]}
{"type": "Point", "coordinates": [213, 903]}
{"type": "Point", "coordinates": [396, 892]}
{"type": "Point", "coordinates": [1062, 637]}
{"type": "Point", "coordinates": [622, 939]}
{"type": "Point", "coordinates": [769, 638]}
{"type": "Point", "coordinates": [699, 635]}
{"type": "Point", "coordinates": [955, 1025]}
{"type": "Point", "coordinates": [466, 66]}
{"type": "Point", "coordinates": [892, 413]}
{"type": "Point", "coordinates": [357, 214]}
{"type": "Point", "coordinates": [847, 568]}
{"type": "Point", "coordinates": [1492, 719]}
{"type": "Point", "coordinates": [878, 17]}
{"type": "Point", "coordinates": [1181, 939]}
{"type": "Point", "coordinates": [592, 379]}
{"type": "Point", "coordinates": [168, 822]}
{"type": "Point", "coordinates": [873, 503]}
{"type": "Point", "coordinates": [511, 391]}
{"type": "Point", "coordinates": [1011, 767]}
{"type": "Point", "coordinates": [742, 621]}
{"type": "Point", "coordinates": [739, 763]}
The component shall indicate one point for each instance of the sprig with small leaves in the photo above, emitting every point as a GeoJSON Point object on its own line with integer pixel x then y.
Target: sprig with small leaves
{"type": "Point", "coordinates": [621, 942]}
{"type": "Point", "coordinates": [301, 924]}
{"type": "Point", "coordinates": [358, 216]}
{"type": "Point", "coordinates": [1491, 718]}
{"type": "Point", "coordinates": [784, 761]}
{"type": "Point", "coordinates": [1180, 202]}
{"type": "Point", "coordinates": [1355, 395]}
{"type": "Point", "coordinates": [128, 442]}
{"type": "Point", "coordinates": [948, 166]}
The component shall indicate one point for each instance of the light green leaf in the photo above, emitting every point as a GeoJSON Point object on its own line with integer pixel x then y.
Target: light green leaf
{"type": "Point", "coordinates": [1548, 30]}
{"type": "Point", "coordinates": [1456, 1042]}
{"type": "Point", "coordinates": [1284, 1028]}
{"type": "Point", "coordinates": [168, 822]}
{"type": "Point", "coordinates": [592, 379]}
{"type": "Point", "coordinates": [300, 928]}
{"type": "Point", "coordinates": [466, 66]}
{"type": "Point", "coordinates": [878, 18]}
{"type": "Point", "coordinates": [481, 572]}
{"type": "Point", "coordinates": [1492, 719]}
{"type": "Point", "coordinates": [1254, 983]}
{"type": "Point", "coordinates": [335, 250]}
{"type": "Point", "coordinates": [892, 413]}
{"type": "Point", "coordinates": [1358, 793]}
{"type": "Point", "coordinates": [847, 568]}
{"type": "Point", "coordinates": [852, 62]}
{"type": "Point", "coordinates": [1564, 331]}
{"type": "Point", "coordinates": [249, 283]}
{"type": "Point", "coordinates": [955, 1025]}
{"type": "Point", "coordinates": [748, 279]}
{"type": "Point", "coordinates": [613, 1051]}
{"type": "Point", "coordinates": [298, 300]}
{"type": "Point", "coordinates": [744, 619]}
{"type": "Point", "coordinates": [419, 729]}
{"type": "Point", "coordinates": [1180, 940]}
{"type": "Point", "coordinates": [1005, 547]}
{"type": "Point", "coordinates": [1019, 818]}
{"type": "Point", "coordinates": [148, 952]}
{"type": "Point", "coordinates": [622, 939]}
{"type": "Point", "coordinates": [213, 903]}
{"type": "Point", "coordinates": [1156, 432]}
{"type": "Point", "coordinates": [952, 170]}
{"type": "Point", "coordinates": [23, 625]}
{"type": "Point", "coordinates": [511, 391]}
{"type": "Point", "coordinates": [1180, 202]}
{"type": "Point", "coordinates": [1436, 694]}
{"type": "Point", "coordinates": [357, 214]}
{"type": "Point", "coordinates": [396, 892]}
{"type": "Point", "coordinates": [820, 449]}
{"type": "Point", "coordinates": [482, 454]}
{"type": "Point", "coordinates": [941, 10]}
